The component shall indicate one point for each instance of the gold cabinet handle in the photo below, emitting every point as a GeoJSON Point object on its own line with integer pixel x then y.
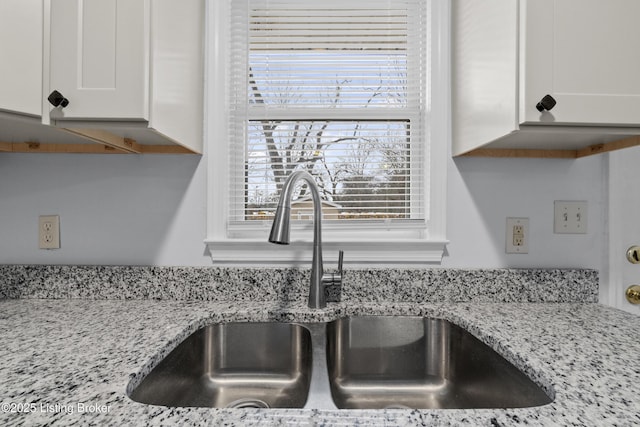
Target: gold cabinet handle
{"type": "Point", "coordinates": [633, 294]}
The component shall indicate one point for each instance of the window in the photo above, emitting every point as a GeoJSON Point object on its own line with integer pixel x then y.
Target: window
{"type": "Point", "coordinates": [343, 90]}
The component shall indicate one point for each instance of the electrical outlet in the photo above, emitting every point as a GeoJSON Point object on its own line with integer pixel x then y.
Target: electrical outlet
{"type": "Point", "coordinates": [49, 232]}
{"type": "Point", "coordinates": [517, 240]}
{"type": "Point", "coordinates": [570, 217]}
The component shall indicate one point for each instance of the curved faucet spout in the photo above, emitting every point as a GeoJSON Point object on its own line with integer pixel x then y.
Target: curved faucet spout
{"type": "Point", "coordinates": [280, 232]}
{"type": "Point", "coordinates": [280, 228]}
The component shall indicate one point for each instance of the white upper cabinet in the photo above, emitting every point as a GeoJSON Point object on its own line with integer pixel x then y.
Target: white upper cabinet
{"type": "Point", "coordinates": [125, 74]}
{"type": "Point", "coordinates": [21, 55]}
{"type": "Point", "coordinates": [508, 55]}
{"type": "Point", "coordinates": [130, 73]}
{"type": "Point", "coordinates": [100, 58]}
{"type": "Point", "coordinates": [586, 55]}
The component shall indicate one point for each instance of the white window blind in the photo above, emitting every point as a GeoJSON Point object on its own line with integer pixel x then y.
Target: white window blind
{"type": "Point", "coordinates": [336, 88]}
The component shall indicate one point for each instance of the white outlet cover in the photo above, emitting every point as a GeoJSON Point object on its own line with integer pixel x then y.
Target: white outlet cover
{"type": "Point", "coordinates": [49, 232]}
{"type": "Point", "coordinates": [510, 248]}
{"type": "Point", "coordinates": [570, 216]}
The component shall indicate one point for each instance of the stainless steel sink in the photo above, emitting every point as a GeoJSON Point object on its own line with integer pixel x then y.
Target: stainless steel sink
{"type": "Point", "coordinates": [234, 365]}
{"type": "Point", "coordinates": [415, 362]}
{"type": "Point", "coordinates": [363, 362]}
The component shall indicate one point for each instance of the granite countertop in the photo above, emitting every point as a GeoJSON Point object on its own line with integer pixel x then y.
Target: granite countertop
{"type": "Point", "coordinates": [70, 361]}
{"type": "Point", "coordinates": [76, 338]}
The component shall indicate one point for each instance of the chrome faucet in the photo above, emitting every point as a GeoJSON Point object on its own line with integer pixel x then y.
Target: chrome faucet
{"type": "Point", "coordinates": [280, 234]}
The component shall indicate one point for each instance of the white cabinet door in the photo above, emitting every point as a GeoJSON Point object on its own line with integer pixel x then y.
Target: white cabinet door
{"type": "Point", "coordinates": [21, 56]}
{"type": "Point", "coordinates": [99, 58]}
{"type": "Point", "coordinates": [586, 54]}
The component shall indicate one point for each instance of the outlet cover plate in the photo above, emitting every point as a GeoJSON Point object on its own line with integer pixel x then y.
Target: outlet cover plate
{"type": "Point", "coordinates": [570, 217]}
{"type": "Point", "coordinates": [49, 232]}
{"type": "Point", "coordinates": [517, 236]}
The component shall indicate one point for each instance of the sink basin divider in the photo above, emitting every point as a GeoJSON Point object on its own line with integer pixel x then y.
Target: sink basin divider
{"type": "Point", "coordinates": [319, 389]}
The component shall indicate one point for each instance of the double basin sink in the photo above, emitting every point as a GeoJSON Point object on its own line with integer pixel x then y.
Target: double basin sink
{"type": "Point", "coordinates": [361, 362]}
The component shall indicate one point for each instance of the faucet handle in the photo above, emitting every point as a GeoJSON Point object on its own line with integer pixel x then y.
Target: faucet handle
{"type": "Point", "coordinates": [334, 278]}
{"type": "Point", "coordinates": [337, 277]}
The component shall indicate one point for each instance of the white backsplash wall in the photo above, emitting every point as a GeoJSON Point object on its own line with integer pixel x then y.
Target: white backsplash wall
{"type": "Point", "coordinates": [114, 209]}
{"type": "Point", "coordinates": [150, 210]}
{"type": "Point", "coordinates": [483, 192]}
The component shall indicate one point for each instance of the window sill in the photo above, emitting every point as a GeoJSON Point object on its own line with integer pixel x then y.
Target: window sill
{"type": "Point", "coordinates": [411, 253]}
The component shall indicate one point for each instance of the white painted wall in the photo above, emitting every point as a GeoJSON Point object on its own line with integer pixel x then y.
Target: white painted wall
{"type": "Point", "coordinates": [150, 210]}
{"type": "Point", "coordinates": [483, 192]}
{"type": "Point", "coordinates": [114, 209]}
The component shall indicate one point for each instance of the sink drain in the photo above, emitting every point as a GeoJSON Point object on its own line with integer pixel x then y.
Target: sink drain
{"type": "Point", "coordinates": [248, 403]}
{"type": "Point", "coordinates": [397, 406]}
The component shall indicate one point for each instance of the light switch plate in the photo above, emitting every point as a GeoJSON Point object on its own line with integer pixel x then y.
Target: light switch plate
{"type": "Point", "coordinates": [570, 217]}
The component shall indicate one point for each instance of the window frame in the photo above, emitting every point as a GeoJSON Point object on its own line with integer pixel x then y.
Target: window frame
{"type": "Point", "coordinates": [399, 245]}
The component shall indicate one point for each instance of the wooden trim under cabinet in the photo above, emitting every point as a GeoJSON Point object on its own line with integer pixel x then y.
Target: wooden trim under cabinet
{"type": "Point", "coordinates": [98, 142]}
{"type": "Point", "coordinates": [555, 154]}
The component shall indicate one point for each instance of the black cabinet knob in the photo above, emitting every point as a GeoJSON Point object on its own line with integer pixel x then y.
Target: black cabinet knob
{"type": "Point", "coordinates": [57, 100]}
{"type": "Point", "coordinates": [547, 103]}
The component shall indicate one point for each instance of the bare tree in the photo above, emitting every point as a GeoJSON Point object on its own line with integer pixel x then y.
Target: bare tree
{"type": "Point", "coordinates": [350, 179]}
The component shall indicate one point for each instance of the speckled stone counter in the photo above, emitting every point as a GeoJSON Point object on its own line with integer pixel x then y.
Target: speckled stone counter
{"type": "Point", "coordinates": [69, 361]}
{"type": "Point", "coordinates": [285, 285]}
